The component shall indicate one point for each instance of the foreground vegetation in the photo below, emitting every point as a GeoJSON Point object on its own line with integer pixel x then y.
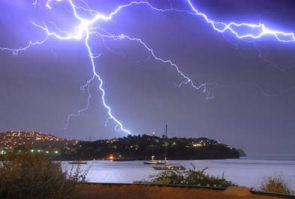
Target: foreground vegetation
{"type": "Point", "coordinates": [201, 178]}
{"type": "Point", "coordinates": [276, 185]}
{"type": "Point", "coordinates": [189, 177]}
{"type": "Point", "coordinates": [28, 176]}
{"type": "Point", "coordinates": [31, 176]}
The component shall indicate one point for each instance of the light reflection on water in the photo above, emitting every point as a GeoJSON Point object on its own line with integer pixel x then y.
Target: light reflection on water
{"type": "Point", "coordinates": [244, 172]}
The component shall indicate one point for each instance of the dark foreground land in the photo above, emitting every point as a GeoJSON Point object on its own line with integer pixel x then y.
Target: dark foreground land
{"type": "Point", "coordinates": [100, 191]}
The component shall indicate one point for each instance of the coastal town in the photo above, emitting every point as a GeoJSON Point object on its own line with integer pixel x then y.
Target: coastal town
{"type": "Point", "coordinates": [138, 147]}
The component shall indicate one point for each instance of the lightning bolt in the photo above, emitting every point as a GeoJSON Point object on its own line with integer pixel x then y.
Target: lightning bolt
{"type": "Point", "coordinates": [80, 111]}
{"type": "Point", "coordinates": [253, 31]}
{"type": "Point", "coordinates": [86, 28]}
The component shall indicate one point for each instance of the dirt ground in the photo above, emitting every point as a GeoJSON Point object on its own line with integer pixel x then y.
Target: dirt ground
{"type": "Point", "coordinates": [97, 191]}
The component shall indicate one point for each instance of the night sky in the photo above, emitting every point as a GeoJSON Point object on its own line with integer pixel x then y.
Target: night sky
{"type": "Point", "coordinates": [253, 81]}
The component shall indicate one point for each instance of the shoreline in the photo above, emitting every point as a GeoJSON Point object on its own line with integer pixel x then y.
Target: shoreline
{"type": "Point", "coordinates": [243, 172]}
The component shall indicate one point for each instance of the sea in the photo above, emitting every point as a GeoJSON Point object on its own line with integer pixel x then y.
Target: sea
{"type": "Point", "coordinates": [249, 172]}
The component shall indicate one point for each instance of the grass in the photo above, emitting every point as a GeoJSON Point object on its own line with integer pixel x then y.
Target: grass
{"type": "Point", "coordinates": [276, 185]}
{"type": "Point", "coordinates": [30, 176]}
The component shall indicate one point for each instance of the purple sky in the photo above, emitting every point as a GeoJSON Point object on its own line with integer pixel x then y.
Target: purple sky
{"type": "Point", "coordinates": [252, 80]}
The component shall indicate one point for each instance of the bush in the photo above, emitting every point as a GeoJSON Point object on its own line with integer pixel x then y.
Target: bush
{"type": "Point", "coordinates": [30, 176]}
{"type": "Point", "coordinates": [189, 177]}
{"type": "Point", "coordinates": [275, 185]}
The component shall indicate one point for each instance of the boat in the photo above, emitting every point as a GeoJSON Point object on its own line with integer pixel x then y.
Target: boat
{"type": "Point", "coordinates": [78, 162]}
{"type": "Point", "coordinates": [166, 166]}
{"type": "Point", "coordinates": [153, 161]}
{"type": "Point", "coordinates": [170, 167]}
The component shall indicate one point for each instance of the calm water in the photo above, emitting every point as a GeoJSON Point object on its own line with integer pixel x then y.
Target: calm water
{"type": "Point", "coordinates": [245, 172]}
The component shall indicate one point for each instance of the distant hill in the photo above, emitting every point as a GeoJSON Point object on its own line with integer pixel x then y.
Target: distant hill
{"type": "Point", "coordinates": [17, 140]}
{"type": "Point", "coordinates": [142, 147]}
{"type": "Point", "coordinates": [139, 147]}
{"type": "Point", "coordinates": [242, 153]}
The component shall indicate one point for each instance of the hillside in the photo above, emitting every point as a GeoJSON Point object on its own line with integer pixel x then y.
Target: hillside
{"type": "Point", "coordinates": [21, 140]}
{"type": "Point", "coordinates": [140, 147]}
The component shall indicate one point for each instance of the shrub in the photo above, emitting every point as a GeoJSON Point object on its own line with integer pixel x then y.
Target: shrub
{"type": "Point", "coordinates": [189, 177]}
{"type": "Point", "coordinates": [31, 176]}
{"type": "Point", "coordinates": [275, 185]}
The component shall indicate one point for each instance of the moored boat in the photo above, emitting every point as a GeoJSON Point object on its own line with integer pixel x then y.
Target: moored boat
{"type": "Point", "coordinates": [78, 162]}
{"type": "Point", "coordinates": [167, 166]}
{"type": "Point", "coordinates": [153, 162]}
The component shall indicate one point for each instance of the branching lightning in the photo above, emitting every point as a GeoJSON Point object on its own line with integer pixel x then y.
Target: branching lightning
{"type": "Point", "coordinates": [260, 30]}
{"type": "Point", "coordinates": [80, 111]}
{"type": "Point", "coordinates": [186, 80]}
{"type": "Point", "coordinates": [87, 28]}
